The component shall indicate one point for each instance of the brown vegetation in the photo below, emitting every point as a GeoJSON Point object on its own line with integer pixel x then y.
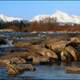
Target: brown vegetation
{"type": "Point", "coordinates": [39, 26]}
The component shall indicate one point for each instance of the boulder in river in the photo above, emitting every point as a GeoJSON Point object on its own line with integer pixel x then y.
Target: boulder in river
{"type": "Point", "coordinates": [72, 69]}
{"type": "Point", "coordinates": [73, 52]}
{"type": "Point", "coordinates": [18, 68]}
{"type": "Point", "coordinates": [17, 60]}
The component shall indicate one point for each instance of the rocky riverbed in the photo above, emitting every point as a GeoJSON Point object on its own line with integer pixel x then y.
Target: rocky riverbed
{"type": "Point", "coordinates": [47, 51]}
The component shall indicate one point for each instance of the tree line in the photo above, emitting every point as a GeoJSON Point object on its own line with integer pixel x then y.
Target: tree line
{"type": "Point", "coordinates": [46, 25]}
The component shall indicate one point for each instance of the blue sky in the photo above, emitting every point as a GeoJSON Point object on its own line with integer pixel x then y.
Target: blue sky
{"type": "Point", "coordinates": [28, 9]}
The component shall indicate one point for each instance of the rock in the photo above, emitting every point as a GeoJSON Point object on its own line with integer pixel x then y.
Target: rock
{"type": "Point", "coordinates": [12, 70]}
{"type": "Point", "coordinates": [4, 62]}
{"type": "Point", "coordinates": [56, 45]}
{"type": "Point", "coordinates": [17, 60]}
{"type": "Point", "coordinates": [72, 69]}
{"type": "Point", "coordinates": [36, 60]}
{"type": "Point", "coordinates": [75, 39]}
{"type": "Point", "coordinates": [64, 53]}
{"type": "Point", "coordinates": [46, 53]}
{"type": "Point", "coordinates": [68, 55]}
{"type": "Point", "coordinates": [22, 67]}
{"type": "Point", "coordinates": [18, 68]}
{"type": "Point", "coordinates": [29, 67]}
{"type": "Point", "coordinates": [41, 54]}
{"type": "Point", "coordinates": [13, 60]}
{"type": "Point", "coordinates": [73, 52]}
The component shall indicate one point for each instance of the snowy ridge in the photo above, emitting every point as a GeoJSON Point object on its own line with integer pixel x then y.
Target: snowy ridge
{"type": "Point", "coordinates": [8, 19]}
{"type": "Point", "coordinates": [59, 16]}
{"type": "Point", "coordinates": [40, 18]}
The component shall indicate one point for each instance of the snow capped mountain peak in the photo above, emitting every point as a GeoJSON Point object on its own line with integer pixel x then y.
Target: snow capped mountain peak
{"type": "Point", "coordinates": [40, 18]}
{"type": "Point", "coordinates": [66, 18]}
{"type": "Point", "coordinates": [60, 17]}
{"type": "Point", "coordinates": [57, 12]}
{"type": "Point", "coordinates": [60, 14]}
{"type": "Point", "coordinates": [8, 19]}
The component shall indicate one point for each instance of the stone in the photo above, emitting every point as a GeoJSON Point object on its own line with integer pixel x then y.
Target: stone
{"type": "Point", "coordinates": [73, 52]}
{"type": "Point", "coordinates": [17, 60]}
{"type": "Point", "coordinates": [12, 70]}
{"type": "Point", "coordinates": [72, 69]}
{"type": "Point", "coordinates": [18, 68]}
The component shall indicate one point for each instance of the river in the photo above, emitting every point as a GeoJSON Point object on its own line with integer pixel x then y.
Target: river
{"type": "Point", "coordinates": [42, 71]}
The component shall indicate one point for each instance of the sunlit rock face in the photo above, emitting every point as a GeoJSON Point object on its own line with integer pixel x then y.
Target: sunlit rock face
{"type": "Point", "coordinates": [64, 49]}
{"type": "Point", "coordinates": [69, 54]}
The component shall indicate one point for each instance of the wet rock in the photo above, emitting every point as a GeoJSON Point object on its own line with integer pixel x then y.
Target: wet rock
{"type": "Point", "coordinates": [17, 60]}
{"type": "Point", "coordinates": [18, 68]}
{"type": "Point", "coordinates": [47, 55]}
{"type": "Point", "coordinates": [68, 55]}
{"type": "Point", "coordinates": [4, 62]}
{"type": "Point", "coordinates": [56, 45]}
{"type": "Point", "coordinates": [36, 60]}
{"type": "Point", "coordinates": [40, 54]}
{"type": "Point", "coordinates": [72, 69]}
{"type": "Point", "coordinates": [22, 67]}
{"type": "Point", "coordinates": [13, 60]}
{"type": "Point", "coordinates": [73, 52]}
{"type": "Point", "coordinates": [12, 70]}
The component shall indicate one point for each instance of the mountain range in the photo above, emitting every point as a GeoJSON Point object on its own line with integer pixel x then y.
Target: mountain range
{"type": "Point", "coordinates": [58, 16]}
{"type": "Point", "coordinates": [8, 18]}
